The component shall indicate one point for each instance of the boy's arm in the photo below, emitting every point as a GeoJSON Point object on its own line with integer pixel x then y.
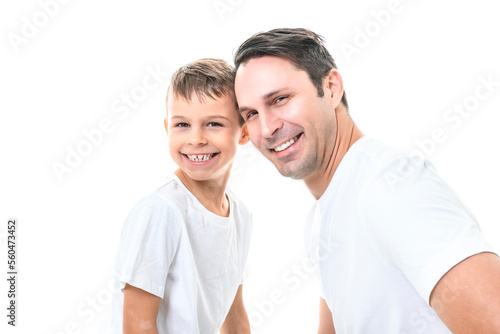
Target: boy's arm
{"type": "Point", "coordinates": [140, 309]}
{"type": "Point", "coordinates": [237, 319]}
{"type": "Point", "coordinates": [325, 318]}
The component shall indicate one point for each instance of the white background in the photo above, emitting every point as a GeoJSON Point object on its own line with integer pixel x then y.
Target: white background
{"type": "Point", "coordinates": [71, 71]}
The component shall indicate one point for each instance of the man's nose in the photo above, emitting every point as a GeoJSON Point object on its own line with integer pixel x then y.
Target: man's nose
{"type": "Point", "coordinates": [270, 123]}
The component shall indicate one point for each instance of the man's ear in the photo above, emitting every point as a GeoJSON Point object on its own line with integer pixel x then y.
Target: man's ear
{"type": "Point", "coordinates": [244, 135]}
{"type": "Point", "coordinates": [165, 122]}
{"type": "Point", "coordinates": [333, 86]}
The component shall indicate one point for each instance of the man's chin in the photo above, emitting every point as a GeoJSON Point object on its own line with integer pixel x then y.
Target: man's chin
{"type": "Point", "coordinates": [297, 169]}
{"type": "Point", "coordinates": [289, 171]}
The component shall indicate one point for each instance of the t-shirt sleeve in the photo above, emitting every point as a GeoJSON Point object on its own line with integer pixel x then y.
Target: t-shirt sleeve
{"type": "Point", "coordinates": [244, 225]}
{"type": "Point", "coordinates": [247, 272]}
{"type": "Point", "coordinates": [247, 222]}
{"type": "Point", "coordinates": [149, 240]}
{"type": "Point", "coordinates": [420, 225]}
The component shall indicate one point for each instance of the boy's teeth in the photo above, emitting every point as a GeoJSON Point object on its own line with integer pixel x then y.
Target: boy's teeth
{"type": "Point", "coordinates": [199, 157]}
{"type": "Point", "coordinates": [285, 145]}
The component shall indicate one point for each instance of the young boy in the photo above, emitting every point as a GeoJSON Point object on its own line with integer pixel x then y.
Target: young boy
{"type": "Point", "coordinates": [183, 248]}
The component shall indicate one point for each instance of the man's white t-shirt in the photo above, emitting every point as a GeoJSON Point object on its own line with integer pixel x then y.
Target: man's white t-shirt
{"type": "Point", "coordinates": [384, 232]}
{"type": "Point", "coordinates": [174, 248]}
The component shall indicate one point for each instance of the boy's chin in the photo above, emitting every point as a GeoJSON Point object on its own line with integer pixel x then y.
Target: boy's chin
{"type": "Point", "coordinates": [206, 176]}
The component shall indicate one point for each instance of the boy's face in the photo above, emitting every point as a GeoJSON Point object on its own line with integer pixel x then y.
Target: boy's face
{"type": "Point", "coordinates": [203, 136]}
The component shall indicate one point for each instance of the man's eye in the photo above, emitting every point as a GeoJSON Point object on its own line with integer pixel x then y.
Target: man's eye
{"type": "Point", "coordinates": [214, 124]}
{"type": "Point", "coordinates": [250, 114]}
{"type": "Point", "coordinates": [182, 125]}
{"type": "Point", "coordinates": [279, 99]}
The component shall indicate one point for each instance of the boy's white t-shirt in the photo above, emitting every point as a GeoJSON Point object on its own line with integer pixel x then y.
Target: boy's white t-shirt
{"type": "Point", "coordinates": [174, 248]}
{"type": "Point", "coordinates": [382, 235]}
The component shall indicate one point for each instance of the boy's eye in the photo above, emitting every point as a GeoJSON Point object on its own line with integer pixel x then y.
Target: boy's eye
{"type": "Point", "coordinates": [214, 124]}
{"type": "Point", "coordinates": [182, 125]}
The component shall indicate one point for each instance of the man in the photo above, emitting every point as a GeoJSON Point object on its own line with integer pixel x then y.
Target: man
{"type": "Point", "coordinates": [396, 251]}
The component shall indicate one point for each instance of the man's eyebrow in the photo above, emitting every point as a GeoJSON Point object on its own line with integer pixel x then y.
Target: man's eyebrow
{"type": "Point", "coordinates": [272, 93]}
{"type": "Point", "coordinates": [264, 97]}
{"type": "Point", "coordinates": [242, 109]}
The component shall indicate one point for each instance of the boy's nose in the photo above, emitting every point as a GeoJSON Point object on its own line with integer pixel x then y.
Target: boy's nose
{"type": "Point", "coordinates": [197, 137]}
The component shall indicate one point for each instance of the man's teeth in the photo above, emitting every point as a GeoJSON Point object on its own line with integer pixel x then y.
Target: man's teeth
{"type": "Point", "coordinates": [286, 145]}
{"type": "Point", "coordinates": [200, 157]}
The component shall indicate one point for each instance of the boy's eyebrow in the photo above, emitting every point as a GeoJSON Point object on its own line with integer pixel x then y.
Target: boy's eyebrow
{"type": "Point", "coordinates": [216, 116]}
{"type": "Point", "coordinates": [206, 117]}
{"type": "Point", "coordinates": [264, 97]}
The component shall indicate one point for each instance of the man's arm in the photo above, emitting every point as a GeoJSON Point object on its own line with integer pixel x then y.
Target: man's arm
{"type": "Point", "coordinates": [237, 319]}
{"type": "Point", "coordinates": [140, 309]}
{"type": "Point", "coordinates": [325, 318]}
{"type": "Point", "coordinates": [467, 298]}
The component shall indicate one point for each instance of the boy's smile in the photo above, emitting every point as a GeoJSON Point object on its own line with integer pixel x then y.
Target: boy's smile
{"type": "Point", "coordinates": [200, 158]}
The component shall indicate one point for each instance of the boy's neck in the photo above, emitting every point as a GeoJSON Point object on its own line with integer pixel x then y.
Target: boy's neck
{"type": "Point", "coordinates": [210, 193]}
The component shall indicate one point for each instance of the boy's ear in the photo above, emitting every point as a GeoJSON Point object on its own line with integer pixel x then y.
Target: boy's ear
{"type": "Point", "coordinates": [165, 122]}
{"type": "Point", "coordinates": [244, 135]}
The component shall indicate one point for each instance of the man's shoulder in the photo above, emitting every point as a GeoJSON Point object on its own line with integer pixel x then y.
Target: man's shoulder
{"type": "Point", "coordinates": [377, 152]}
{"type": "Point", "coordinates": [386, 176]}
{"type": "Point", "coordinates": [369, 163]}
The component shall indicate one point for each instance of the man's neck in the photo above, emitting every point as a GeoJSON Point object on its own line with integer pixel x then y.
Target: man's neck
{"type": "Point", "coordinates": [347, 133]}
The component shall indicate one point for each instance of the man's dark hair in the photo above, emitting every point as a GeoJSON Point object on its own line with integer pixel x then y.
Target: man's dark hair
{"type": "Point", "coordinates": [304, 48]}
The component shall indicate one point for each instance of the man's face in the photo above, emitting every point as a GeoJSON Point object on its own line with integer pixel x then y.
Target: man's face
{"type": "Point", "coordinates": [287, 121]}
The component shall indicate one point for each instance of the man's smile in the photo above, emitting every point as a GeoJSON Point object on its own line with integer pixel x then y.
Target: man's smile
{"type": "Point", "coordinates": [286, 144]}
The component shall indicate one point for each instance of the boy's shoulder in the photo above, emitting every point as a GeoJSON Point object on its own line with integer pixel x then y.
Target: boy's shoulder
{"type": "Point", "coordinates": [171, 190]}
{"type": "Point", "coordinates": [155, 212]}
{"type": "Point", "coordinates": [178, 197]}
{"type": "Point", "coordinates": [175, 193]}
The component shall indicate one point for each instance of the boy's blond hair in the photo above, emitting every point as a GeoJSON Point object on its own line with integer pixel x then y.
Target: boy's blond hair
{"type": "Point", "coordinates": [206, 77]}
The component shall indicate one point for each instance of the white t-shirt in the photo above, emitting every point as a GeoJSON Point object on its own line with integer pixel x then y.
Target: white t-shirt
{"type": "Point", "coordinates": [384, 232]}
{"type": "Point", "coordinates": [174, 248]}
